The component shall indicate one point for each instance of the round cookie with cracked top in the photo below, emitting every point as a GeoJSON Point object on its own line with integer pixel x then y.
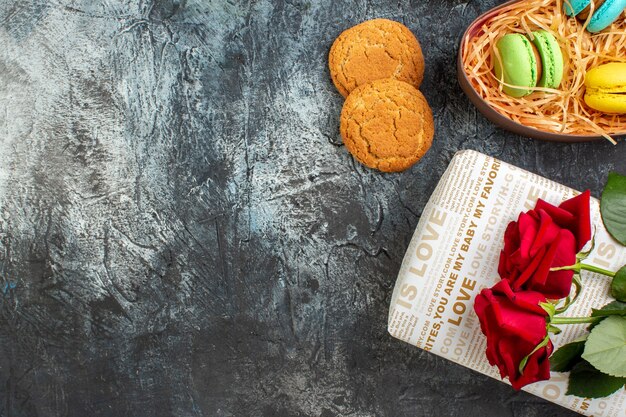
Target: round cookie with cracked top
{"type": "Point", "coordinates": [373, 50]}
{"type": "Point", "coordinates": [387, 125]}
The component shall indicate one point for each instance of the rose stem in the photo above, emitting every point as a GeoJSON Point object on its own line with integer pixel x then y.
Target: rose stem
{"type": "Point", "coordinates": [574, 320]}
{"type": "Point", "coordinates": [593, 268]}
{"type": "Point", "coordinates": [577, 267]}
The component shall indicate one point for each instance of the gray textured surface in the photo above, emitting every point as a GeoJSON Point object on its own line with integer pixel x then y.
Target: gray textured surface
{"type": "Point", "coordinates": [182, 233]}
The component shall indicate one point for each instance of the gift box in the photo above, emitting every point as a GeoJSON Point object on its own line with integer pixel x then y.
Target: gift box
{"type": "Point", "coordinates": [454, 253]}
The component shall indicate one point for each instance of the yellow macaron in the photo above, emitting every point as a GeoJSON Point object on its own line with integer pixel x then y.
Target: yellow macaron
{"type": "Point", "coordinates": [606, 88]}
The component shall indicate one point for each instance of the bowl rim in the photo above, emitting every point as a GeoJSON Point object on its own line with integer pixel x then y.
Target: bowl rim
{"type": "Point", "coordinates": [499, 119]}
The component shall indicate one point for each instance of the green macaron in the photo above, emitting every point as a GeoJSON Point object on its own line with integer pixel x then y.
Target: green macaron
{"type": "Point", "coordinates": [516, 64]}
{"type": "Point", "coordinates": [551, 58]}
{"type": "Point", "coordinates": [522, 64]}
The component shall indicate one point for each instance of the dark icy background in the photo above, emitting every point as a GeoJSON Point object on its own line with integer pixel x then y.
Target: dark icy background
{"type": "Point", "coordinates": [183, 234]}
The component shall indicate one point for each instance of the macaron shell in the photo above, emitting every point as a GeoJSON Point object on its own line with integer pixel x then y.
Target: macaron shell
{"type": "Point", "coordinates": [517, 64]}
{"type": "Point", "coordinates": [606, 15]}
{"type": "Point", "coordinates": [607, 78]}
{"type": "Point", "coordinates": [551, 57]}
{"type": "Point", "coordinates": [606, 88]}
{"type": "Point", "coordinates": [573, 7]}
{"type": "Point", "coordinates": [606, 103]}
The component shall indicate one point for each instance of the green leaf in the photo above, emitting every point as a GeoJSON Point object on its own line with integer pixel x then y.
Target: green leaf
{"type": "Point", "coordinates": [618, 285]}
{"type": "Point", "coordinates": [606, 346]}
{"type": "Point", "coordinates": [616, 308]}
{"type": "Point", "coordinates": [613, 206]}
{"type": "Point", "coordinates": [587, 382]}
{"type": "Point", "coordinates": [564, 358]}
{"type": "Point", "coordinates": [592, 325]}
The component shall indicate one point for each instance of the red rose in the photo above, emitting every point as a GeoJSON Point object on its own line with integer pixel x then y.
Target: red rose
{"type": "Point", "coordinates": [544, 238]}
{"type": "Point", "coordinates": [514, 324]}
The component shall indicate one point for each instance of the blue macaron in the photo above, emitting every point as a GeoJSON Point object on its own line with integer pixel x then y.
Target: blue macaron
{"type": "Point", "coordinates": [573, 7]}
{"type": "Point", "coordinates": [607, 12]}
{"type": "Point", "coordinates": [606, 15]}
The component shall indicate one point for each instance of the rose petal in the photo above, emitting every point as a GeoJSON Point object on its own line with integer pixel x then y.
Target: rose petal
{"type": "Point", "coordinates": [547, 260]}
{"type": "Point", "coordinates": [518, 313]}
{"type": "Point", "coordinates": [526, 272]}
{"type": "Point", "coordinates": [514, 324]}
{"type": "Point", "coordinates": [537, 368]}
{"type": "Point", "coordinates": [528, 227]}
{"type": "Point", "coordinates": [510, 358]}
{"type": "Point", "coordinates": [573, 214]}
{"type": "Point", "coordinates": [560, 216]}
{"type": "Point", "coordinates": [503, 264]}
{"type": "Point", "coordinates": [546, 233]}
{"type": "Point", "coordinates": [556, 284]}
{"type": "Point", "coordinates": [579, 207]}
{"type": "Point", "coordinates": [527, 300]}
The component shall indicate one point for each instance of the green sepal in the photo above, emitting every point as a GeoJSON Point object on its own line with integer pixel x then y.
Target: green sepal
{"type": "Point", "coordinates": [578, 284]}
{"type": "Point", "coordinates": [581, 256]}
{"type": "Point", "coordinates": [553, 329]}
{"type": "Point", "coordinates": [548, 308]}
{"type": "Point", "coordinates": [569, 300]}
{"type": "Point", "coordinates": [524, 361]}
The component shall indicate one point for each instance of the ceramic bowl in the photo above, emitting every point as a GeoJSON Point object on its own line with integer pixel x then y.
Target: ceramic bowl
{"type": "Point", "coordinates": [491, 114]}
